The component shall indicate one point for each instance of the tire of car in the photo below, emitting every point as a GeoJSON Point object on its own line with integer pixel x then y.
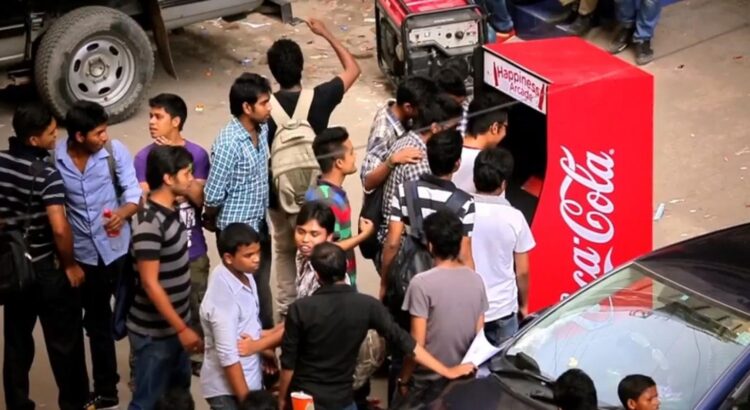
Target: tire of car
{"type": "Point", "coordinates": [97, 54]}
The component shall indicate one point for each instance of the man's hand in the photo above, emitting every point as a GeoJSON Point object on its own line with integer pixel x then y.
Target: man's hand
{"type": "Point", "coordinates": [114, 223]}
{"type": "Point", "coordinates": [460, 371]}
{"type": "Point", "coordinates": [162, 140]}
{"type": "Point", "coordinates": [75, 275]}
{"type": "Point", "coordinates": [318, 27]}
{"type": "Point", "coordinates": [209, 223]}
{"type": "Point", "coordinates": [407, 155]}
{"type": "Point", "coordinates": [366, 227]}
{"type": "Point", "coordinates": [270, 364]}
{"type": "Point", "coordinates": [282, 403]}
{"type": "Point", "coordinates": [247, 346]}
{"type": "Point", "coordinates": [190, 341]}
{"type": "Point", "coordinates": [381, 293]}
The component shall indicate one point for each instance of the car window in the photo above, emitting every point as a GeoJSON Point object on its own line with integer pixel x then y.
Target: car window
{"type": "Point", "coordinates": [632, 323]}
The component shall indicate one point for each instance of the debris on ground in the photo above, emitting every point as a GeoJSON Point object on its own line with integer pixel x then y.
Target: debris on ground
{"type": "Point", "coordinates": [676, 201]}
{"type": "Point", "coordinates": [254, 25]}
{"type": "Point", "coordinates": [681, 66]}
{"type": "Point", "coordinates": [659, 211]}
{"type": "Point", "coordinates": [743, 151]}
{"type": "Point", "coordinates": [199, 108]}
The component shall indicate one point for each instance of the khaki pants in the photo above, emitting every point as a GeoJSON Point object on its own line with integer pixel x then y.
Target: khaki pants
{"type": "Point", "coordinates": [284, 253]}
{"type": "Point", "coordinates": [585, 7]}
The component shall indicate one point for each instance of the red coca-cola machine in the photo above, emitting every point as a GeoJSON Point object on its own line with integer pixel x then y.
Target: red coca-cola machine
{"type": "Point", "coordinates": [581, 132]}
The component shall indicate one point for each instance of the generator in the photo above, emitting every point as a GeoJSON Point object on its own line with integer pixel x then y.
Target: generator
{"type": "Point", "coordinates": [418, 37]}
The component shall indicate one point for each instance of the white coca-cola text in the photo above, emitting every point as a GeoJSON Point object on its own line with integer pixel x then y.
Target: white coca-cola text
{"type": "Point", "coordinates": [588, 215]}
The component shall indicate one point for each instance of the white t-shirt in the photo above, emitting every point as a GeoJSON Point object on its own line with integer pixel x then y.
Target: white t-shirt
{"type": "Point", "coordinates": [464, 177]}
{"type": "Point", "coordinates": [500, 231]}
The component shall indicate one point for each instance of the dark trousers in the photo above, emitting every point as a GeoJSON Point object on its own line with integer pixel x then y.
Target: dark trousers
{"type": "Point", "coordinates": [58, 307]}
{"type": "Point", "coordinates": [96, 295]}
{"type": "Point", "coordinates": [263, 278]}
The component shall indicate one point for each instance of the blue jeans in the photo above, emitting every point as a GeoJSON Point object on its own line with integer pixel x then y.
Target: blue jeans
{"type": "Point", "coordinates": [162, 367]}
{"type": "Point", "coordinates": [644, 14]}
{"type": "Point", "coordinates": [498, 15]}
{"type": "Point", "coordinates": [501, 329]}
{"type": "Point", "coordinates": [223, 403]}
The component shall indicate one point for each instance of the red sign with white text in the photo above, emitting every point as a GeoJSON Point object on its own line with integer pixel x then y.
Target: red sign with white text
{"type": "Point", "coordinates": [594, 209]}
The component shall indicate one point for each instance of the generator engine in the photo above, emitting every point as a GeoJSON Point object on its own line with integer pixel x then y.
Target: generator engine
{"type": "Point", "coordinates": [418, 37]}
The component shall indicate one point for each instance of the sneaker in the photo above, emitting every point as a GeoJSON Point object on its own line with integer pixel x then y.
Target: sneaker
{"type": "Point", "coordinates": [102, 403]}
{"type": "Point", "coordinates": [621, 40]}
{"type": "Point", "coordinates": [643, 52]}
{"type": "Point", "coordinates": [501, 37]}
{"type": "Point", "coordinates": [579, 27]}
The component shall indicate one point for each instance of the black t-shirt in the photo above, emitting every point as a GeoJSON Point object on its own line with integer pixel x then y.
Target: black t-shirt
{"type": "Point", "coordinates": [325, 99]}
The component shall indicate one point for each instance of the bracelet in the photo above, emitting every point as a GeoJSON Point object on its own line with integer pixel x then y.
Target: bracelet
{"type": "Point", "coordinates": [184, 327]}
{"type": "Point", "coordinates": [389, 163]}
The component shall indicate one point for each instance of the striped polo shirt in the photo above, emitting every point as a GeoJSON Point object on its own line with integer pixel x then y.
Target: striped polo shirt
{"type": "Point", "coordinates": [158, 235]}
{"type": "Point", "coordinates": [29, 184]}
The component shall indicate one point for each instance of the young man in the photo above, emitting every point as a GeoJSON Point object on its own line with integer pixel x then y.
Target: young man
{"type": "Point", "coordinates": [486, 128]}
{"type": "Point", "coordinates": [500, 245]}
{"type": "Point", "coordinates": [335, 153]}
{"type": "Point", "coordinates": [166, 121]}
{"type": "Point", "coordinates": [439, 113]}
{"type": "Point", "coordinates": [286, 62]}
{"type": "Point", "coordinates": [638, 392]}
{"type": "Point", "coordinates": [451, 81]}
{"type": "Point", "coordinates": [390, 123]}
{"type": "Point", "coordinates": [323, 334]}
{"type": "Point", "coordinates": [237, 185]}
{"type": "Point", "coordinates": [101, 242]}
{"type": "Point", "coordinates": [32, 199]}
{"type": "Point", "coordinates": [637, 22]}
{"type": "Point", "coordinates": [158, 317]}
{"type": "Point", "coordinates": [446, 303]}
{"type": "Point", "coordinates": [434, 190]}
{"type": "Point", "coordinates": [230, 311]}
{"type": "Point", "coordinates": [574, 390]}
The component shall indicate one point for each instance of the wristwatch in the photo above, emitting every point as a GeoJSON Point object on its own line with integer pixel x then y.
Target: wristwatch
{"type": "Point", "coordinates": [389, 163]}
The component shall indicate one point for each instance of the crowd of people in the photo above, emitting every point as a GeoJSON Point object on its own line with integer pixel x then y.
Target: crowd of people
{"type": "Point", "coordinates": [451, 251]}
{"type": "Point", "coordinates": [635, 23]}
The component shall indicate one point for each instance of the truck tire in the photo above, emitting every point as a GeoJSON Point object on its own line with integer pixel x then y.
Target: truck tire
{"type": "Point", "coordinates": [97, 54]}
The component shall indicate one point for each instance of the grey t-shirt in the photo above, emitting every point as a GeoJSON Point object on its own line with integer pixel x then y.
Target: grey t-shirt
{"type": "Point", "coordinates": [451, 299]}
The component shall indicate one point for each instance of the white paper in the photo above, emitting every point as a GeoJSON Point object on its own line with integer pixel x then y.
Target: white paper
{"type": "Point", "coordinates": [480, 350]}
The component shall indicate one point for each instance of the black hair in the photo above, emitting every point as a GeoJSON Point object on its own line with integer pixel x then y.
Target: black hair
{"type": "Point", "coordinates": [438, 109]}
{"type": "Point", "coordinates": [328, 146]}
{"type": "Point", "coordinates": [235, 235]}
{"type": "Point", "coordinates": [444, 231]}
{"type": "Point", "coordinates": [443, 151]}
{"type": "Point", "coordinates": [574, 390]}
{"type": "Point", "coordinates": [83, 117]}
{"type": "Point", "coordinates": [632, 386]}
{"type": "Point", "coordinates": [483, 104]}
{"type": "Point", "coordinates": [285, 61]}
{"type": "Point", "coordinates": [317, 211]}
{"type": "Point", "coordinates": [165, 160]}
{"type": "Point", "coordinates": [450, 81]}
{"type": "Point", "coordinates": [415, 90]}
{"type": "Point", "coordinates": [329, 261]}
{"type": "Point", "coordinates": [259, 400]}
{"type": "Point", "coordinates": [173, 104]}
{"type": "Point", "coordinates": [492, 167]}
{"type": "Point", "coordinates": [31, 119]}
{"type": "Point", "coordinates": [247, 88]}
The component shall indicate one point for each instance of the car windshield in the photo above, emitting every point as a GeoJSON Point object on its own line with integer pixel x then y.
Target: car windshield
{"type": "Point", "coordinates": [630, 323]}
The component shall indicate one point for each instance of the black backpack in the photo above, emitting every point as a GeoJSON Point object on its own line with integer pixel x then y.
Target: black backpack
{"type": "Point", "coordinates": [413, 256]}
{"type": "Point", "coordinates": [372, 209]}
{"type": "Point", "coordinates": [17, 271]}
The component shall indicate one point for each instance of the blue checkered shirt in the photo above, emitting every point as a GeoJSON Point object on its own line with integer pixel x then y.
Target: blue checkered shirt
{"type": "Point", "coordinates": [463, 125]}
{"type": "Point", "coordinates": [238, 180]}
{"type": "Point", "coordinates": [385, 130]}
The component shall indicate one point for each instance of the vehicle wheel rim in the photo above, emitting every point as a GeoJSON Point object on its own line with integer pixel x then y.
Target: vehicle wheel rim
{"type": "Point", "coordinates": [101, 70]}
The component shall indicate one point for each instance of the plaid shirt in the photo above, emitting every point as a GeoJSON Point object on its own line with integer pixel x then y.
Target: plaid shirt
{"type": "Point", "coordinates": [238, 180]}
{"type": "Point", "coordinates": [464, 124]}
{"type": "Point", "coordinates": [401, 174]}
{"type": "Point", "coordinates": [384, 132]}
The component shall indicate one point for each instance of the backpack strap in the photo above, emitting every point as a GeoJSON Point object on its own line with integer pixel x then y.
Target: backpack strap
{"type": "Point", "coordinates": [455, 202]}
{"type": "Point", "coordinates": [304, 102]}
{"type": "Point", "coordinates": [280, 117]}
{"type": "Point", "coordinates": [415, 213]}
{"type": "Point", "coordinates": [112, 164]}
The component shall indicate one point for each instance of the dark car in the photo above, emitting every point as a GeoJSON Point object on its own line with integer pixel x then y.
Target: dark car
{"type": "Point", "coordinates": [680, 315]}
{"type": "Point", "coordinates": [96, 50]}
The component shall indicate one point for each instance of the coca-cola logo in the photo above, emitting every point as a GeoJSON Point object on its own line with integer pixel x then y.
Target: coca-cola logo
{"type": "Point", "coordinates": [586, 208]}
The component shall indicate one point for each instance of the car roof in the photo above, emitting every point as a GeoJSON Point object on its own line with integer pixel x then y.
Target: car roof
{"type": "Point", "coordinates": [715, 265]}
